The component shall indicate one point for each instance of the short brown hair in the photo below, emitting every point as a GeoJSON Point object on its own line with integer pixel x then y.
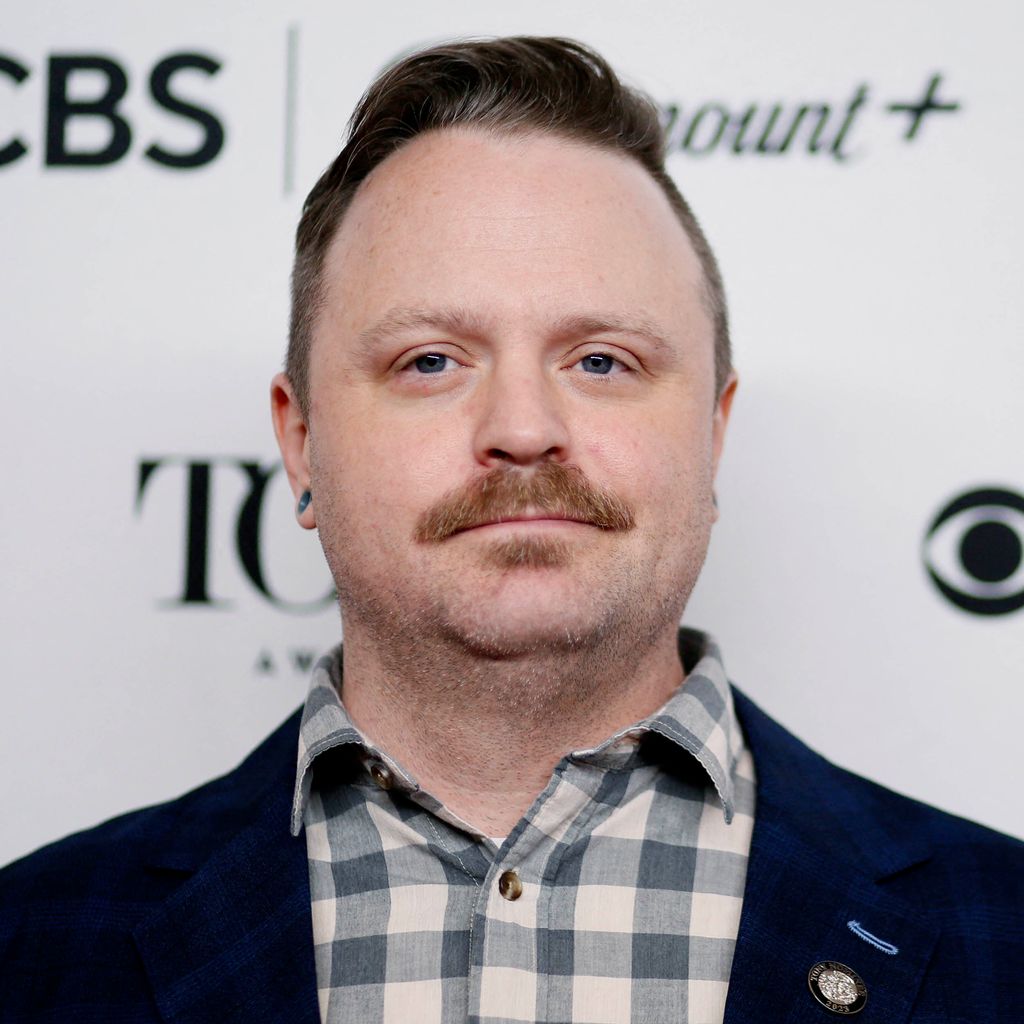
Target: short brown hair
{"type": "Point", "coordinates": [510, 86]}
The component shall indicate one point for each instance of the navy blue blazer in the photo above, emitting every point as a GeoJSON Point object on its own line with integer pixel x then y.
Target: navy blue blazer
{"type": "Point", "coordinates": [198, 910]}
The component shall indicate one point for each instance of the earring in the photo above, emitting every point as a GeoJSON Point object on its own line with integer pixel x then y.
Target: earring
{"type": "Point", "coordinates": [307, 497]}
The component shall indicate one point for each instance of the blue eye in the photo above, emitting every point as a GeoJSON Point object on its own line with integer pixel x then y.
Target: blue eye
{"type": "Point", "coordinates": [432, 362]}
{"type": "Point", "coordinates": [597, 362]}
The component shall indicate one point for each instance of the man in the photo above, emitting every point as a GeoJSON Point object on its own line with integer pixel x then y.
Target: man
{"type": "Point", "coordinates": [521, 793]}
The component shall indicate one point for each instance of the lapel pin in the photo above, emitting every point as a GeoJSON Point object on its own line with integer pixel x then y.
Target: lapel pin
{"type": "Point", "coordinates": [837, 987]}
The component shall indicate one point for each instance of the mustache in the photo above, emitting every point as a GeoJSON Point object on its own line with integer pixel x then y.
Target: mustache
{"type": "Point", "coordinates": [507, 493]}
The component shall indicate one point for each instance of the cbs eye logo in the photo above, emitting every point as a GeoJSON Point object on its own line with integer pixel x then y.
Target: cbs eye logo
{"type": "Point", "coordinates": [974, 551]}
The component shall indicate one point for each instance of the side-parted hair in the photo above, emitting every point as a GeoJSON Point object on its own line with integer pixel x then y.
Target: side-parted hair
{"type": "Point", "coordinates": [511, 86]}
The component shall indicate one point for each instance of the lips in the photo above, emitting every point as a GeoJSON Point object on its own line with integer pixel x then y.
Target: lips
{"type": "Point", "coordinates": [539, 517]}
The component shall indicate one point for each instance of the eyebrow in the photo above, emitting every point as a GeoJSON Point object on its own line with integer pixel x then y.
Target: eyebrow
{"type": "Point", "coordinates": [404, 318]}
{"type": "Point", "coordinates": [586, 324]}
{"type": "Point", "coordinates": [459, 321]}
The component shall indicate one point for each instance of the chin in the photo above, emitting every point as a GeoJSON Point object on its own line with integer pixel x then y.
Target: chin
{"type": "Point", "coordinates": [527, 618]}
{"type": "Point", "coordinates": [501, 641]}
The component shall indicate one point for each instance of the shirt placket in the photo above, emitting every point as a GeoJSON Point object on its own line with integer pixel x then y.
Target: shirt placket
{"type": "Point", "coordinates": [509, 956]}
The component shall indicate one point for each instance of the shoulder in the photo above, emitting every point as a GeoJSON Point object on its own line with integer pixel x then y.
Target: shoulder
{"type": "Point", "coordinates": [838, 861]}
{"type": "Point", "coordinates": [116, 871]}
{"type": "Point", "coordinates": [885, 831]}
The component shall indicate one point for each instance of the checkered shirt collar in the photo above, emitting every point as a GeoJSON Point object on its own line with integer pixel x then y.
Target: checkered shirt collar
{"type": "Point", "coordinates": [699, 718]}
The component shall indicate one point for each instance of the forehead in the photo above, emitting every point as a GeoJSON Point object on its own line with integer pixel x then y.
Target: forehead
{"type": "Point", "coordinates": [518, 228]}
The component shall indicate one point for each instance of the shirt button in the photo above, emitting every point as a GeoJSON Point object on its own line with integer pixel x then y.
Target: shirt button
{"type": "Point", "coordinates": [509, 885]}
{"type": "Point", "coordinates": [381, 776]}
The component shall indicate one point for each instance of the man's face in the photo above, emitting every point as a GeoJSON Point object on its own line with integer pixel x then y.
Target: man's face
{"type": "Point", "coordinates": [513, 330]}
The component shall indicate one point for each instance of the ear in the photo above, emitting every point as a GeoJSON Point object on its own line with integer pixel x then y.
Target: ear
{"type": "Point", "coordinates": [723, 407]}
{"type": "Point", "coordinates": [293, 440]}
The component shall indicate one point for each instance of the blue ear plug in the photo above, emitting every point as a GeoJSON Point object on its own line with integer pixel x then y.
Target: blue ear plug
{"type": "Point", "coordinates": [307, 497]}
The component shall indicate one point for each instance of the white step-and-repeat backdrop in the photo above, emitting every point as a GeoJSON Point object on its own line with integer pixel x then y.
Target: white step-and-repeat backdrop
{"type": "Point", "coordinates": [857, 168]}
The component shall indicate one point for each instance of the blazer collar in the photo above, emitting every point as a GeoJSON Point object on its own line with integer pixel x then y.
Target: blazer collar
{"type": "Point", "coordinates": [820, 857]}
{"type": "Point", "coordinates": [234, 943]}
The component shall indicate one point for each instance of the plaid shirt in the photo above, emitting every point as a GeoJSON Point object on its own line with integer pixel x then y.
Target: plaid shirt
{"type": "Point", "coordinates": [616, 898]}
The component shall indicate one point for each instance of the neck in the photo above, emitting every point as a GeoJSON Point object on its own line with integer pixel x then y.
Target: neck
{"type": "Point", "coordinates": [483, 735]}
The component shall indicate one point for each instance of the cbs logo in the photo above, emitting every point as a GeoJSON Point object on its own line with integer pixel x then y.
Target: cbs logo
{"type": "Point", "coordinates": [974, 551]}
{"type": "Point", "coordinates": [85, 94]}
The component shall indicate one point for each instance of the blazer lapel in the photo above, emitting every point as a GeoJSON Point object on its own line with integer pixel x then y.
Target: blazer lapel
{"type": "Point", "coordinates": [818, 861]}
{"type": "Point", "coordinates": [234, 942]}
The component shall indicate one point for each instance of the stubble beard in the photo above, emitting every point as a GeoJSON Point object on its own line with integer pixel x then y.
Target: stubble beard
{"type": "Point", "coordinates": [441, 645]}
{"type": "Point", "coordinates": [527, 553]}
{"type": "Point", "coordinates": [442, 653]}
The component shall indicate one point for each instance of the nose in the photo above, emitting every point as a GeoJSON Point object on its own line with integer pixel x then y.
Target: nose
{"type": "Point", "coordinates": [521, 420]}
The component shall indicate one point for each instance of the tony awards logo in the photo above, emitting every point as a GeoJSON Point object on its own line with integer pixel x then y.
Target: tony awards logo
{"type": "Point", "coordinates": [246, 537]}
